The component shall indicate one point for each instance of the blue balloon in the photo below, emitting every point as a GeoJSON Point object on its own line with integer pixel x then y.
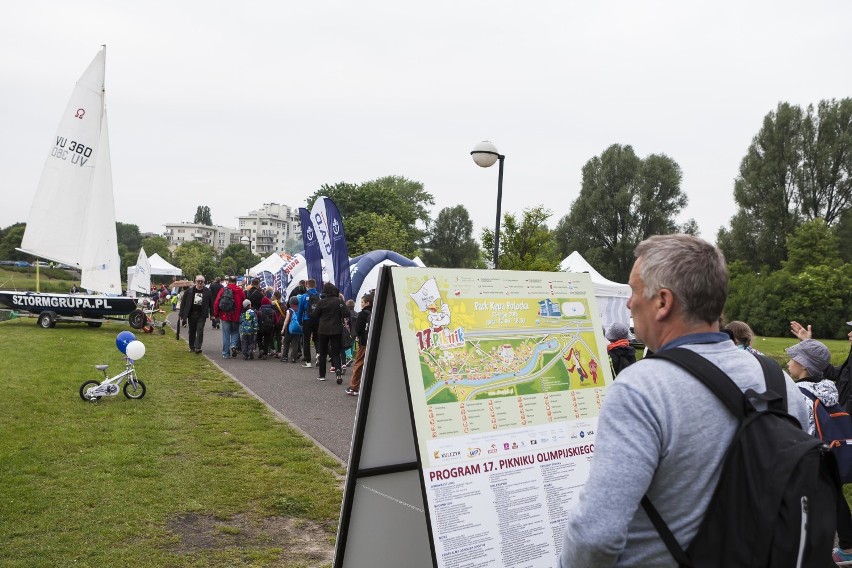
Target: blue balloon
{"type": "Point", "coordinates": [123, 339]}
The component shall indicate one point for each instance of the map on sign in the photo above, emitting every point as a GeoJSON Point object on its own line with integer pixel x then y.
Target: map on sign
{"type": "Point", "coordinates": [472, 347]}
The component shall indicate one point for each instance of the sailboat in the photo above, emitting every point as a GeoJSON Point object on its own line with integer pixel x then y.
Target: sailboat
{"type": "Point", "coordinates": [72, 218]}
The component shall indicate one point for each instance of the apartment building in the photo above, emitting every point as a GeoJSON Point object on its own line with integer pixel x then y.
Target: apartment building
{"type": "Point", "coordinates": [216, 236]}
{"type": "Point", "coordinates": [272, 228]}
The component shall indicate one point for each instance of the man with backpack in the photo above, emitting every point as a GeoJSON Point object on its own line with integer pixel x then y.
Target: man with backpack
{"type": "Point", "coordinates": [308, 303]}
{"type": "Point", "coordinates": [226, 308]}
{"type": "Point", "coordinates": [662, 435]}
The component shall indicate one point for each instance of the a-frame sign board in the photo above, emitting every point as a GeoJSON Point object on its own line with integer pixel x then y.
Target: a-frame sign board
{"type": "Point", "coordinates": [476, 418]}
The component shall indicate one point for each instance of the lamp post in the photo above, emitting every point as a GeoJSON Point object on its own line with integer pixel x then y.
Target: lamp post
{"type": "Point", "coordinates": [484, 155]}
{"type": "Point", "coordinates": [246, 240]}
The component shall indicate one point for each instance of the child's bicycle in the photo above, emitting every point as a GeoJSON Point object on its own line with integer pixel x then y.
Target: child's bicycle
{"type": "Point", "coordinates": [91, 390]}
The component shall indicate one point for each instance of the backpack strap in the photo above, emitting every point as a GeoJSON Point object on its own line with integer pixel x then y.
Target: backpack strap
{"type": "Point", "coordinates": [732, 397]}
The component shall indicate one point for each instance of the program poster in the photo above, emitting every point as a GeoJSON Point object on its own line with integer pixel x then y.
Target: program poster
{"type": "Point", "coordinates": [507, 372]}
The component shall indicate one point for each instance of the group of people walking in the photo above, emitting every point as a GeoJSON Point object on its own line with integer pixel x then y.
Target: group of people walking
{"type": "Point", "coordinates": [258, 322]}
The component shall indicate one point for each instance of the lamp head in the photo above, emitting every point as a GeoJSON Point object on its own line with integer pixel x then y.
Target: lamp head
{"type": "Point", "coordinates": [485, 154]}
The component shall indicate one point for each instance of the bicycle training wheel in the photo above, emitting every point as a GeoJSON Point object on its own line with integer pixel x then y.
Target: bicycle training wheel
{"type": "Point", "coordinates": [86, 386]}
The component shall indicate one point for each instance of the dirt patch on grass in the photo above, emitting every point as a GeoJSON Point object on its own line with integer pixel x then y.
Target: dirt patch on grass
{"type": "Point", "coordinates": [298, 539]}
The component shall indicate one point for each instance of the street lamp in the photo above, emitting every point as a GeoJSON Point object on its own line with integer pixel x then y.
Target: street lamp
{"type": "Point", "coordinates": [485, 154]}
{"type": "Point", "coordinates": [246, 240]}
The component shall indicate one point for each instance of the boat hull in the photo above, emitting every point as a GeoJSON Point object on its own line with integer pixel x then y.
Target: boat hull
{"type": "Point", "coordinates": [83, 305]}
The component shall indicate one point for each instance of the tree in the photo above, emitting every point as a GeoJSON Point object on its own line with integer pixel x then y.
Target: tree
{"type": "Point", "coordinates": [393, 196]}
{"type": "Point", "coordinates": [157, 245]}
{"type": "Point", "coordinates": [810, 287]}
{"type": "Point", "coordinates": [379, 232]}
{"type": "Point", "coordinates": [202, 216]}
{"type": "Point", "coordinates": [236, 259]}
{"type": "Point", "coordinates": [526, 244]}
{"type": "Point", "coordinates": [10, 239]}
{"type": "Point", "coordinates": [451, 243]}
{"type": "Point", "coordinates": [798, 168]}
{"type": "Point", "coordinates": [195, 257]}
{"type": "Point", "coordinates": [811, 244]}
{"type": "Point", "coordinates": [623, 200]}
{"type": "Point", "coordinates": [843, 232]}
{"type": "Point", "coordinates": [129, 236]}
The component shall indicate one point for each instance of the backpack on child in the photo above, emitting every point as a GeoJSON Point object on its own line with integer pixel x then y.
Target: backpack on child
{"type": "Point", "coordinates": [295, 328]}
{"type": "Point", "coordinates": [834, 428]}
{"type": "Point", "coordinates": [266, 320]}
{"type": "Point", "coordinates": [248, 322]}
{"type": "Point", "coordinates": [226, 301]}
{"type": "Point", "coordinates": [779, 488]}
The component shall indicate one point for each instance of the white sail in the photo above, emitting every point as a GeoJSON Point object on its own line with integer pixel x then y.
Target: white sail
{"type": "Point", "coordinates": [72, 218]}
{"type": "Point", "coordinates": [139, 280]}
{"type": "Point", "coordinates": [99, 260]}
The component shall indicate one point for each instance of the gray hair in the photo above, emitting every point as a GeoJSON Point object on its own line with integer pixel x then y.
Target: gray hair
{"type": "Point", "coordinates": [693, 269]}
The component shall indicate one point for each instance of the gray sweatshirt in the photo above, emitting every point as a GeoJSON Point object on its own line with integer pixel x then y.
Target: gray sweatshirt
{"type": "Point", "coordinates": [662, 432]}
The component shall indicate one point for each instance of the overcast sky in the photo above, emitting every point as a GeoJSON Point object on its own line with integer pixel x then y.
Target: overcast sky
{"type": "Point", "coordinates": [235, 104]}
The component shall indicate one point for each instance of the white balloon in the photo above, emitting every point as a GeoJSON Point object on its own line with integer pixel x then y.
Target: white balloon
{"type": "Point", "coordinates": [135, 350]}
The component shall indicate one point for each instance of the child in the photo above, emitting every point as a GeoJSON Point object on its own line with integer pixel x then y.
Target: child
{"type": "Point", "coordinates": [291, 345]}
{"type": "Point", "coordinates": [248, 329]}
{"type": "Point", "coordinates": [362, 330]}
{"type": "Point", "coordinates": [807, 360]}
{"type": "Point", "coordinates": [621, 353]}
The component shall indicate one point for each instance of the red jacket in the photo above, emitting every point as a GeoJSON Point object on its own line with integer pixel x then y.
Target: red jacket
{"type": "Point", "coordinates": [233, 315]}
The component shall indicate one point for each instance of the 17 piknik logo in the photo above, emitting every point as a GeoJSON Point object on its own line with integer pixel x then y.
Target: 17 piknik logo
{"type": "Point", "coordinates": [335, 226]}
{"type": "Point", "coordinates": [310, 233]}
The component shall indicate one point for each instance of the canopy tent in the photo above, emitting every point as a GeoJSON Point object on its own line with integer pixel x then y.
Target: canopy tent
{"type": "Point", "coordinates": [271, 263]}
{"type": "Point", "coordinates": [158, 266]}
{"type": "Point", "coordinates": [611, 296]}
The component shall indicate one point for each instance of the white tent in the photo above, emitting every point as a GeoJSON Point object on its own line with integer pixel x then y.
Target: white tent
{"type": "Point", "coordinates": [271, 263]}
{"type": "Point", "coordinates": [158, 266]}
{"type": "Point", "coordinates": [611, 296]}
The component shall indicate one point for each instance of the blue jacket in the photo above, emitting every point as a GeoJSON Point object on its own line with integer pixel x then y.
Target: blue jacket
{"type": "Point", "coordinates": [302, 316]}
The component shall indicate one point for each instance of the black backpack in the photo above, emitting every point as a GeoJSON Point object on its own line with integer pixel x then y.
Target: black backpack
{"type": "Point", "coordinates": [226, 301]}
{"type": "Point", "coordinates": [775, 504]}
{"type": "Point", "coordinates": [313, 302]}
{"type": "Point", "coordinates": [267, 318]}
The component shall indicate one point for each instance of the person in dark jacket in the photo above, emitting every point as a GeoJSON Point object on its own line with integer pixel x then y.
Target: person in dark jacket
{"type": "Point", "coordinates": [362, 330]}
{"type": "Point", "coordinates": [329, 316]}
{"type": "Point", "coordinates": [214, 293]}
{"type": "Point", "coordinates": [621, 353]}
{"type": "Point", "coordinates": [196, 305]}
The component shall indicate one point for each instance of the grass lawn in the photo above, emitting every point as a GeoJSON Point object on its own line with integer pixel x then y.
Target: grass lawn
{"type": "Point", "coordinates": [50, 279]}
{"type": "Point", "coordinates": [197, 473]}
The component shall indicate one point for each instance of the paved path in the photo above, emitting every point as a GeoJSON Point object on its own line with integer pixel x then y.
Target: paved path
{"type": "Point", "coordinates": [320, 410]}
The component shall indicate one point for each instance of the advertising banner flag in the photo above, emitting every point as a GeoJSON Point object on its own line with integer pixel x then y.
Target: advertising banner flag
{"type": "Point", "coordinates": [281, 280]}
{"type": "Point", "coordinates": [339, 250]}
{"type": "Point", "coordinates": [313, 256]}
{"type": "Point", "coordinates": [266, 278]}
{"type": "Point", "coordinates": [322, 231]}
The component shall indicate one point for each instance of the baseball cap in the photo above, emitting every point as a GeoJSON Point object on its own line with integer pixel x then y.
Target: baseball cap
{"type": "Point", "coordinates": [246, 303]}
{"type": "Point", "coordinates": [811, 354]}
